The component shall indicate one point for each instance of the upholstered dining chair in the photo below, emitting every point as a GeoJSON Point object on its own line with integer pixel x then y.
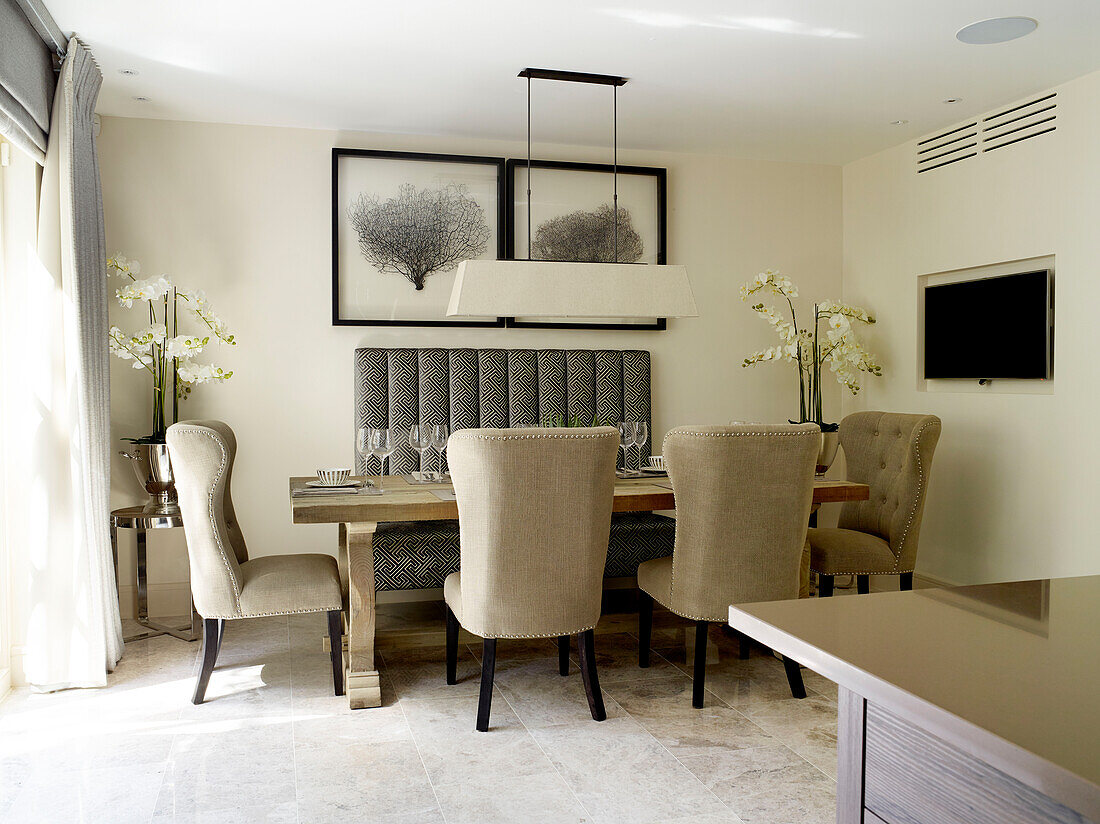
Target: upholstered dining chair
{"type": "Point", "coordinates": [891, 453]}
{"type": "Point", "coordinates": [743, 498]}
{"type": "Point", "coordinates": [225, 584]}
{"type": "Point", "coordinates": [534, 515]}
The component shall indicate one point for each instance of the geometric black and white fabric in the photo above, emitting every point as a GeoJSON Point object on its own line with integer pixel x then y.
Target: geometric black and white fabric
{"type": "Point", "coordinates": [472, 388]}
{"type": "Point", "coordinates": [421, 554]}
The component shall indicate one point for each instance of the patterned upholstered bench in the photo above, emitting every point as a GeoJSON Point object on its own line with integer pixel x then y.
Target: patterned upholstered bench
{"type": "Point", "coordinates": [466, 388]}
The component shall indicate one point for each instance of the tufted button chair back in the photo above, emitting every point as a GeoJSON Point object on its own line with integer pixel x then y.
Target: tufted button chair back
{"type": "Point", "coordinates": [202, 455]}
{"type": "Point", "coordinates": [891, 453]}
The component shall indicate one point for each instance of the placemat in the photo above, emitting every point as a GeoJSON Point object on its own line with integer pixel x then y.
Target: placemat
{"type": "Point", "coordinates": [444, 494]}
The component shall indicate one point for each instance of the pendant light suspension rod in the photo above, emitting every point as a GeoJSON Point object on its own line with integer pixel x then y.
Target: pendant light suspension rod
{"type": "Point", "coordinates": [579, 77]}
{"type": "Point", "coordinates": [528, 167]}
{"type": "Point", "coordinates": [614, 165]}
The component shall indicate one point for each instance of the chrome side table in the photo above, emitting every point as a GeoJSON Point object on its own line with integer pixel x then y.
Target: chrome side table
{"type": "Point", "coordinates": [137, 519]}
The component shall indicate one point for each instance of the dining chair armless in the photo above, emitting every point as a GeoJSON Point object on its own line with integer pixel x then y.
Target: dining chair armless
{"type": "Point", "coordinates": [534, 515]}
{"type": "Point", "coordinates": [225, 584]}
{"type": "Point", "coordinates": [891, 453]}
{"type": "Point", "coordinates": [743, 498]}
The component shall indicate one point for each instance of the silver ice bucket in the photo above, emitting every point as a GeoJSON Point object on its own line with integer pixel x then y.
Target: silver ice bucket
{"type": "Point", "coordinates": [153, 468]}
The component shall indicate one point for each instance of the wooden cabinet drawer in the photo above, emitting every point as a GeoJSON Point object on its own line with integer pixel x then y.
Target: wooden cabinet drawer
{"type": "Point", "coordinates": [912, 777]}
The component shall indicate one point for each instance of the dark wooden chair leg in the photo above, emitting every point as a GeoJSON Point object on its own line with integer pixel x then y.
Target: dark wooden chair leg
{"type": "Point", "coordinates": [701, 628]}
{"type": "Point", "coordinates": [744, 646]}
{"type": "Point", "coordinates": [336, 649]}
{"type": "Point", "coordinates": [906, 582]}
{"type": "Point", "coordinates": [645, 627]}
{"type": "Point", "coordinates": [863, 584]}
{"type": "Point", "coordinates": [488, 667]}
{"type": "Point", "coordinates": [824, 586]}
{"type": "Point", "coordinates": [586, 651]}
{"type": "Point", "coordinates": [794, 677]}
{"type": "Point", "coordinates": [452, 646]}
{"type": "Point", "coordinates": [563, 655]}
{"type": "Point", "coordinates": [210, 636]}
{"type": "Point", "coordinates": [221, 635]}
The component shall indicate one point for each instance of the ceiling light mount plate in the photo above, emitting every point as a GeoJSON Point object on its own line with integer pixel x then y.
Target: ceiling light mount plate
{"type": "Point", "coordinates": [996, 30]}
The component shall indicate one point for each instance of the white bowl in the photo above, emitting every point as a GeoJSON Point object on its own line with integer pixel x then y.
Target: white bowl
{"type": "Point", "coordinates": [333, 477]}
{"type": "Point", "coordinates": [657, 461]}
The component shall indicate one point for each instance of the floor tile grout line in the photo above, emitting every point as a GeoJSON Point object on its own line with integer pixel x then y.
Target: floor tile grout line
{"type": "Point", "coordinates": [420, 755]}
{"type": "Point", "coordinates": [546, 755]}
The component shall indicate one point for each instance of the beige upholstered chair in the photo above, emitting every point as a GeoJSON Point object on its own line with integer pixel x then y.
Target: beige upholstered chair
{"type": "Point", "coordinates": [534, 515]}
{"type": "Point", "coordinates": [224, 583]}
{"type": "Point", "coordinates": [743, 497]}
{"type": "Point", "coordinates": [892, 454]}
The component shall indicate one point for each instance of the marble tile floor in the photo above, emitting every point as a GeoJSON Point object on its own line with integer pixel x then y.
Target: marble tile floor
{"type": "Point", "coordinates": [272, 743]}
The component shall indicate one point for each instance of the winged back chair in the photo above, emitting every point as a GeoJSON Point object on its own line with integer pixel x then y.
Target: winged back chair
{"type": "Point", "coordinates": [891, 453]}
{"type": "Point", "coordinates": [743, 498]}
{"type": "Point", "coordinates": [225, 584]}
{"type": "Point", "coordinates": [534, 515]}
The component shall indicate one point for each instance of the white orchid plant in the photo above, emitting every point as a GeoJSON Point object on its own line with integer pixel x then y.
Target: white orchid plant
{"type": "Point", "coordinates": [808, 348]}
{"type": "Point", "coordinates": [158, 347]}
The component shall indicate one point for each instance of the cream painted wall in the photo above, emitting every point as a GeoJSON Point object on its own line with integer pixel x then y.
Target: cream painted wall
{"type": "Point", "coordinates": [1014, 484]}
{"type": "Point", "coordinates": [243, 212]}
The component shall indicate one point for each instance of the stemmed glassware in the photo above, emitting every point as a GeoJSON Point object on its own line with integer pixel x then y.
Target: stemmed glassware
{"type": "Point", "coordinates": [382, 445]}
{"type": "Point", "coordinates": [439, 443]}
{"type": "Point", "coordinates": [362, 445]}
{"type": "Point", "coordinates": [641, 435]}
{"type": "Point", "coordinates": [628, 432]}
{"type": "Point", "coordinates": [420, 439]}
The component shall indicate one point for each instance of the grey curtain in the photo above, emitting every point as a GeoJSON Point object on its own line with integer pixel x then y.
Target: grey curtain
{"type": "Point", "coordinates": [82, 638]}
{"type": "Point", "coordinates": [26, 76]}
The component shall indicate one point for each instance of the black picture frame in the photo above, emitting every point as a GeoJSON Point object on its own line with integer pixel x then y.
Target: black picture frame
{"type": "Point", "coordinates": [419, 157]}
{"type": "Point", "coordinates": [661, 177]}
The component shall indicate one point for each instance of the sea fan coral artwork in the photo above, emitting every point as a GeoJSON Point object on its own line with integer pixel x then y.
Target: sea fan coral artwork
{"type": "Point", "coordinates": [588, 237]}
{"type": "Point", "coordinates": [420, 231]}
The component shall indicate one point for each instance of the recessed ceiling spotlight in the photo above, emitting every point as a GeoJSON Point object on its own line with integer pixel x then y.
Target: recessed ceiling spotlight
{"type": "Point", "coordinates": [996, 30]}
{"type": "Point", "coordinates": [898, 122]}
{"type": "Point", "coordinates": [142, 99]}
{"type": "Point", "coordinates": [953, 100]}
{"type": "Point", "coordinates": [129, 72]}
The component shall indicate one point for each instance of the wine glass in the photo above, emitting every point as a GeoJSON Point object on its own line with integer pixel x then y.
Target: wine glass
{"type": "Point", "coordinates": [363, 445]}
{"type": "Point", "coordinates": [420, 439]}
{"type": "Point", "coordinates": [439, 443]}
{"type": "Point", "coordinates": [383, 443]}
{"type": "Point", "coordinates": [628, 430]}
{"type": "Point", "coordinates": [641, 435]}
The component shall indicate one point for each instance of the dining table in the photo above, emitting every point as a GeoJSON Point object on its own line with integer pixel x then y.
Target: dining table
{"type": "Point", "coordinates": [402, 499]}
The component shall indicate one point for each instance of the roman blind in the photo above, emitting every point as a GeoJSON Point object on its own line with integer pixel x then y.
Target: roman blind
{"type": "Point", "coordinates": [27, 79]}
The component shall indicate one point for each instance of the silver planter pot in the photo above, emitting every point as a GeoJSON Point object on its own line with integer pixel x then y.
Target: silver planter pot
{"type": "Point", "coordinates": [830, 441]}
{"type": "Point", "coordinates": [153, 468]}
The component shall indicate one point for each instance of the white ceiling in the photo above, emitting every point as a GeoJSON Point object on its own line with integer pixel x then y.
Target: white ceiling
{"type": "Point", "coordinates": [775, 79]}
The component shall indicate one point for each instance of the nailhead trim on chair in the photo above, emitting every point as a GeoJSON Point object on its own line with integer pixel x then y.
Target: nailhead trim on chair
{"type": "Point", "coordinates": [892, 572]}
{"type": "Point", "coordinates": [540, 635]}
{"type": "Point", "coordinates": [464, 436]}
{"type": "Point", "coordinates": [697, 434]}
{"type": "Point", "coordinates": [269, 614]}
{"type": "Point", "coordinates": [920, 488]}
{"type": "Point", "coordinates": [214, 520]}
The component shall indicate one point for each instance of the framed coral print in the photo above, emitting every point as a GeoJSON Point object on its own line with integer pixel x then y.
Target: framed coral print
{"type": "Point", "coordinates": [401, 224]}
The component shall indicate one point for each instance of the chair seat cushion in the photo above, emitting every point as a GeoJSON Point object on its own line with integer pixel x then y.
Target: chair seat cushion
{"type": "Point", "coordinates": [849, 552]}
{"type": "Point", "coordinates": [421, 554]}
{"type": "Point", "coordinates": [655, 579]}
{"type": "Point", "coordinates": [286, 584]}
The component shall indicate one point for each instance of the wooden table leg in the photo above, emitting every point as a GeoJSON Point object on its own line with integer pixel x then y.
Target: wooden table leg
{"type": "Point", "coordinates": [357, 546]}
{"type": "Point", "coordinates": [804, 567]}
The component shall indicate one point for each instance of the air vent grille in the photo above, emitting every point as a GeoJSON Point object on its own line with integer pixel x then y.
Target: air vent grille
{"type": "Point", "coordinates": [1019, 123]}
{"type": "Point", "coordinates": [947, 148]}
{"type": "Point", "coordinates": [996, 131]}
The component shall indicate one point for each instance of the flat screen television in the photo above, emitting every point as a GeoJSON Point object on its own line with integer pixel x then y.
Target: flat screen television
{"type": "Point", "coordinates": [999, 327]}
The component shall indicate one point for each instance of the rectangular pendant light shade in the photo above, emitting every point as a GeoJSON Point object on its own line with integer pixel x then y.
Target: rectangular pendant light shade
{"type": "Point", "coordinates": [550, 289]}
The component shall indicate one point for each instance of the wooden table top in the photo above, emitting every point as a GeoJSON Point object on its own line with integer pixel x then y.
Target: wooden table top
{"type": "Point", "coordinates": [403, 501]}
